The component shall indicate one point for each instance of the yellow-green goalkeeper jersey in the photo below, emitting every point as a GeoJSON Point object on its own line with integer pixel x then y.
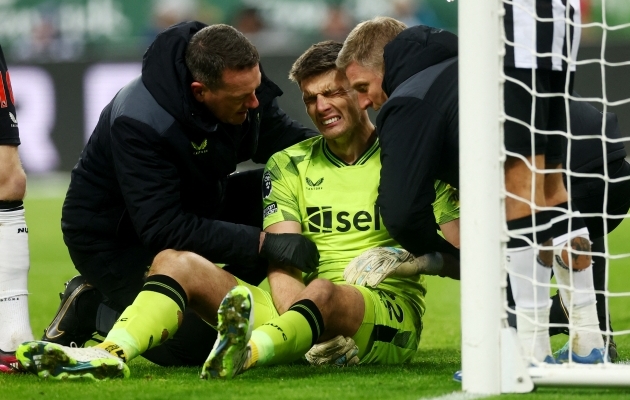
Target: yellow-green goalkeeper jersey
{"type": "Point", "coordinates": [336, 205]}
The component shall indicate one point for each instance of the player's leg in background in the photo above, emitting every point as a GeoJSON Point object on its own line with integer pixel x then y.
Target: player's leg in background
{"type": "Point", "coordinates": [589, 196]}
{"type": "Point", "coordinates": [527, 268]}
{"type": "Point", "coordinates": [571, 242]}
{"type": "Point", "coordinates": [528, 271]}
{"type": "Point", "coordinates": [15, 326]}
{"type": "Point", "coordinates": [573, 271]}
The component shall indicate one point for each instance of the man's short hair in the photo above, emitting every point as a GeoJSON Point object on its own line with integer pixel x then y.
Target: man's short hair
{"type": "Point", "coordinates": [318, 59]}
{"type": "Point", "coordinates": [366, 42]}
{"type": "Point", "coordinates": [216, 48]}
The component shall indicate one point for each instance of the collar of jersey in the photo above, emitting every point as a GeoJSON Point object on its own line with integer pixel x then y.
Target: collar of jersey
{"type": "Point", "coordinates": [338, 162]}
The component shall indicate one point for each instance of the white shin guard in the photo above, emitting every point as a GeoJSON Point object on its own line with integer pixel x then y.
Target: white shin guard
{"type": "Point", "coordinates": [15, 327]}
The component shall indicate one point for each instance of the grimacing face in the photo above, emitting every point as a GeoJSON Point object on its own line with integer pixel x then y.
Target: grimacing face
{"type": "Point", "coordinates": [367, 82]}
{"type": "Point", "coordinates": [234, 98]}
{"type": "Point", "coordinates": [331, 103]}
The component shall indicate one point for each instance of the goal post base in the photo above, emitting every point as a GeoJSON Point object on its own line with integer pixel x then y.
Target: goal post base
{"type": "Point", "coordinates": [514, 375]}
{"type": "Point", "coordinates": [517, 378]}
{"type": "Point", "coordinates": [599, 375]}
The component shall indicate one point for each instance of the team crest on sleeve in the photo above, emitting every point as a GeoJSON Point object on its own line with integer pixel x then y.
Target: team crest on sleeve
{"type": "Point", "coordinates": [270, 209]}
{"type": "Point", "coordinates": [266, 184]}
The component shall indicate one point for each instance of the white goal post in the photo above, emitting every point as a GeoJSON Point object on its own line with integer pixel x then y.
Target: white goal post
{"type": "Point", "coordinates": [491, 361]}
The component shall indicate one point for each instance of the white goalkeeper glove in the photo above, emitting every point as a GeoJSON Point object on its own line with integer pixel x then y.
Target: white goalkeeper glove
{"type": "Point", "coordinates": [339, 351]}
{"type": "Point", "coordinates": [372, 266]}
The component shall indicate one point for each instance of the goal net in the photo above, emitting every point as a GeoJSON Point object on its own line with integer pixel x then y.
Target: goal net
{"type": "Point", "coordinates": [492, 360]}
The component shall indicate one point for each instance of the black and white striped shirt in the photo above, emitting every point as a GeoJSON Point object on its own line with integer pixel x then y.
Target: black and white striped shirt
{"type": "Point", "coordinates": [536, 33]}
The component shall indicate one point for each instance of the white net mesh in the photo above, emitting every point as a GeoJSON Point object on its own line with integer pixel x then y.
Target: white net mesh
{"type": "Point", "coordinates": [596, 174]}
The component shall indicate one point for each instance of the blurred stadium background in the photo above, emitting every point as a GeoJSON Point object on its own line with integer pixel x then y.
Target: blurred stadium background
{"type": "Point", "coordinates": [69, 57]}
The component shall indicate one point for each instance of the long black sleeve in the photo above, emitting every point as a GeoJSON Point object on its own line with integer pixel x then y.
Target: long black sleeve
{"type": "Point", "coordinates": [411, 135]}
{"type": "Point", "coordinates": [150, 185]}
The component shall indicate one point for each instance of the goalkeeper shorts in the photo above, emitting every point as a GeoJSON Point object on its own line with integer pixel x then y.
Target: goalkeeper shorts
{"type": "Point", "coordinates": [391, 328]}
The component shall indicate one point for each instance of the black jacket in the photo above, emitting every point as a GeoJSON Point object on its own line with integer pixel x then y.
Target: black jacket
{"type": "Point", "coordinates": [418, 128]}
{"type": "Point", "coordinates": [155, 167]}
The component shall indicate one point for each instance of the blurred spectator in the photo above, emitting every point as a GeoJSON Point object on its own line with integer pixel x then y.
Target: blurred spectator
{"type": "Point", "coordinates": [337, 23]}
{"type": "Point", "coordinates": [415, 12]}
{"type": "Point", "coordinates": [405, 12]}
{"type": "Point", "coordinates": [249, 21]}
{"type": "Point", "coordinates": [46, 42]}
{"type": "Point", "coordinates": [427, 15]}
{"type": "Point", "coordinates": [169, 12]}
{"type": "Point", "coordinates": [268, 40]}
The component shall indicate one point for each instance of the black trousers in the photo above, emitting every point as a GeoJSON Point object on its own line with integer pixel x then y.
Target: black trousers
{"type": "Point", "coordinates": [119, 276]}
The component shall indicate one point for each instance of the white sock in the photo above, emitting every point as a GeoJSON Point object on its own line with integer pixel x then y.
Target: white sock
{"type": "Point", "coordinates": [532, 301]}
{"type": "Point", "coordinates": [15, 326]}
{"type": "Point", "coordinates": [533, 332]}
{"type": "Point", "coordinates": [580, 300]}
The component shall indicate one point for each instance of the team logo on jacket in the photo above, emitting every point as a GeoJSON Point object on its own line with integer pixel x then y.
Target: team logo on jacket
{"type": "Point", "coordinates": [199, 148]}
{"type": "Point", "coordinates": [266, 184]}
{"type": "Point", "coordinates": [314, 185]}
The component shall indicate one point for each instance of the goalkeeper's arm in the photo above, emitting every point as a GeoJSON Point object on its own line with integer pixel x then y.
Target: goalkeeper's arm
{"type": "Point", "coordinates": [373, 266]}
{"type": "Point", "coordinates": [450, 230]}
{"type": "Point", "coordinates": [450, 268]}
{"type": "Point", "coordinates": [285, 281]}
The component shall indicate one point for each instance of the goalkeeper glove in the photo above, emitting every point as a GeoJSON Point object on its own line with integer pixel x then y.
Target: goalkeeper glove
{"type": "Point", "coordinates": [290, 249]}
{"type": "Point", "coordinates": [339, 351]}
{"type": "Point", "coordinates": [373, 266]}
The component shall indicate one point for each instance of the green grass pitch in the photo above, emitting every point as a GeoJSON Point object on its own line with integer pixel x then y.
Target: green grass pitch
{"type": "Point", "coordinates": [428, 376]}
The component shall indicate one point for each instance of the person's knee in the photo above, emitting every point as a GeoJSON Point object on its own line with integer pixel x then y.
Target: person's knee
{"type": "Point", "coordinates": [171, 262]}
{"type": "Point", "coordinates": [320, 291]}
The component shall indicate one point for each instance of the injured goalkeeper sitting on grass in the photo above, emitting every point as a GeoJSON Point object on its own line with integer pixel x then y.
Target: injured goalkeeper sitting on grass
{"type": "Point", "coordinates": [325, 189]}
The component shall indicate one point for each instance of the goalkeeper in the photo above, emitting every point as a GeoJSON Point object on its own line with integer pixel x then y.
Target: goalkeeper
{"type": "Point", "coordinates": [389, 319]}
{"type": "Point", "coordinates": [326, 189]}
